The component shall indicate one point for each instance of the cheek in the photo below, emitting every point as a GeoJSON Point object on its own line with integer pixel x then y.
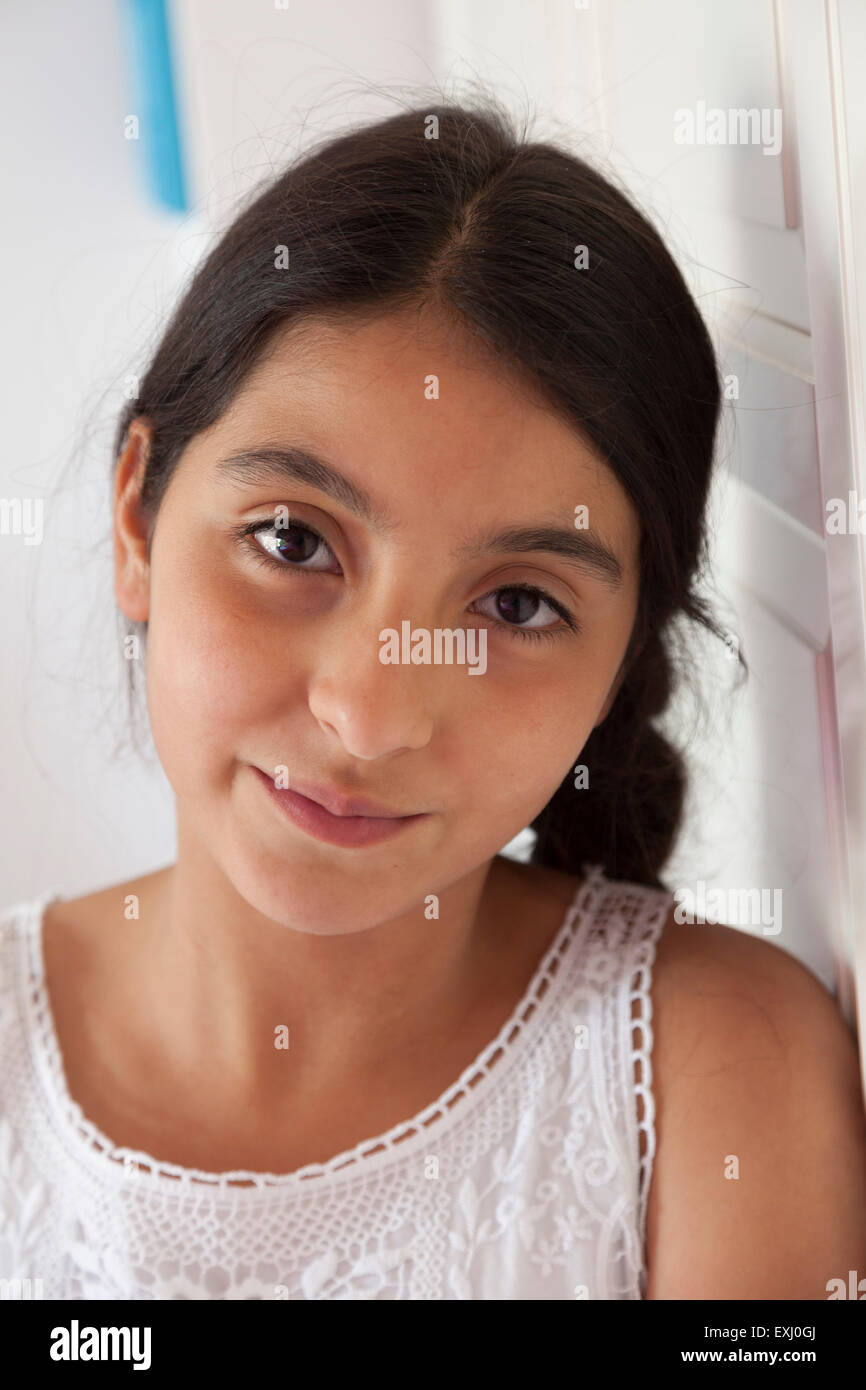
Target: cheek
{"type": "Point", "coordinates": [525, 738]}
{"type": "Point", "coordinates": [211, 670]}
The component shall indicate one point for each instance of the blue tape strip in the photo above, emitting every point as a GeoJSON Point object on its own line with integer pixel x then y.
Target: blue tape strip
{"type": "Point", "coordinates": [154, 101]}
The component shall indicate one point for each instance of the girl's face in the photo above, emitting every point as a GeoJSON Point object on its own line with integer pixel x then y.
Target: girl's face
{"type": "Point", "coordinates": [263, 650]}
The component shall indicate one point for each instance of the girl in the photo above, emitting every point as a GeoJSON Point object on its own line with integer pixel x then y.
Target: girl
{"type": "Point", "coordinates": [433, 382]}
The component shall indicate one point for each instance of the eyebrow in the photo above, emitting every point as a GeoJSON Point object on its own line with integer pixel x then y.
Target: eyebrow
{"type": "Point", "coordinates": [583, 549]}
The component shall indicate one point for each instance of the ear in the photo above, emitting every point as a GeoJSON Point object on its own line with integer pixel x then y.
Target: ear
{"type": "Point", "coordinates": [131, 562]}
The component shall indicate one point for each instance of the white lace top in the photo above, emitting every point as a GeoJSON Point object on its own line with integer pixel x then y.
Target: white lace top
{"type": "Point", "coordinates": [526, 1179]}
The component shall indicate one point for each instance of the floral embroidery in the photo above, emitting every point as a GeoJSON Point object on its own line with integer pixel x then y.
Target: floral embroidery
{"type": "Point", "coordinates": [24, 1208]}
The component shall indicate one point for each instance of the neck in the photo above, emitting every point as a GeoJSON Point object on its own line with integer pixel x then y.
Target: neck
{"type": "Point", "coordinates": [234, 993]}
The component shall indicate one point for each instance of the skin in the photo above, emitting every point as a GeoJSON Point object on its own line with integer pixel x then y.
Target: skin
{"type": "Point", "coordinates": [167, 1023]}
{"type": "Point", "coordinates": [756, 1064]}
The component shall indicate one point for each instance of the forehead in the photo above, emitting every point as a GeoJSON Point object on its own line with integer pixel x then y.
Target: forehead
{"type": "Point", "coordinates": [411, 401]}
{"type": "Point", "coordinates": [429, 370]}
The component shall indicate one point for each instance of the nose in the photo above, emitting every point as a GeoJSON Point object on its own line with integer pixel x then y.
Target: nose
{"type": "Point", "coordinates": [373, 709]}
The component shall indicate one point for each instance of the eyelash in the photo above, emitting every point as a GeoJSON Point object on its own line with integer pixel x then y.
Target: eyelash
{"type": "Point", "coordinates": [244, 535]}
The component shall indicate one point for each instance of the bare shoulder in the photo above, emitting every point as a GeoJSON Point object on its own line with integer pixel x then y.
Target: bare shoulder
{"type": "Point", "coordinates": [74, 930]}
{"type": "Point", "coordinates": [701, 962]}
{"type": "Point", "coordinates": [759, 1177]}
{"type": "Point", "coordinates": [90, 909]}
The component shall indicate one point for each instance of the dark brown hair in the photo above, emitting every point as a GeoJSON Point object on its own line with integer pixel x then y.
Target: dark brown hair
{"type": "Point", "coordinates": [445, 205]}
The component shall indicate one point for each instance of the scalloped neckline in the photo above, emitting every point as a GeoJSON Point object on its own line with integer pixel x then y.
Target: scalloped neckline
{"type": "Point", "coordinates": [119, 1162]}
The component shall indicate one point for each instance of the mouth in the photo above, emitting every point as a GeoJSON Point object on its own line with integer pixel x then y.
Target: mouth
{"type": "Point", "coordinates": [337, 826]}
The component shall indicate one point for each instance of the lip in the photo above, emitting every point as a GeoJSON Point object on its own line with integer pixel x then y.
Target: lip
{"type": "Point", "coordinates": [344, 826]}
{"type": "Point", "coordinates": [340, 805]}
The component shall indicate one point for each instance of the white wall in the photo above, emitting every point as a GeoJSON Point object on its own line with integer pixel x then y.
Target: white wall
{"type": "Point", "coordinates": [86, 266]}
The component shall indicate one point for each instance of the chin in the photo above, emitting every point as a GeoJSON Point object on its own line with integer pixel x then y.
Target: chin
{"type": "Point", "coordinates": [314, 899]}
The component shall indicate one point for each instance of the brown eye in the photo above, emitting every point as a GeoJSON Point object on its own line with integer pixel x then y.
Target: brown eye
{"type": "Point", "coordinates": [292, 546]}
{"type": "Point", "coordinates": [515, 603]}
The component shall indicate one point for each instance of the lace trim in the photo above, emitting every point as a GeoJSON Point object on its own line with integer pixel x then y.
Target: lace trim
{"type": "Point", "coordinates": [525, 1021]}
{"type": "Point", "coordinates": [640, 1057]}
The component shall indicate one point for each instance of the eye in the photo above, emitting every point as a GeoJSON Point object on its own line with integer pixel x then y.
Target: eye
{"type": "Point", "coordinates": [286, 547]}
{"type": "Point", "coordinates": [519, 597]}
{"type": "Point", "coordinates": [283, 547]}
